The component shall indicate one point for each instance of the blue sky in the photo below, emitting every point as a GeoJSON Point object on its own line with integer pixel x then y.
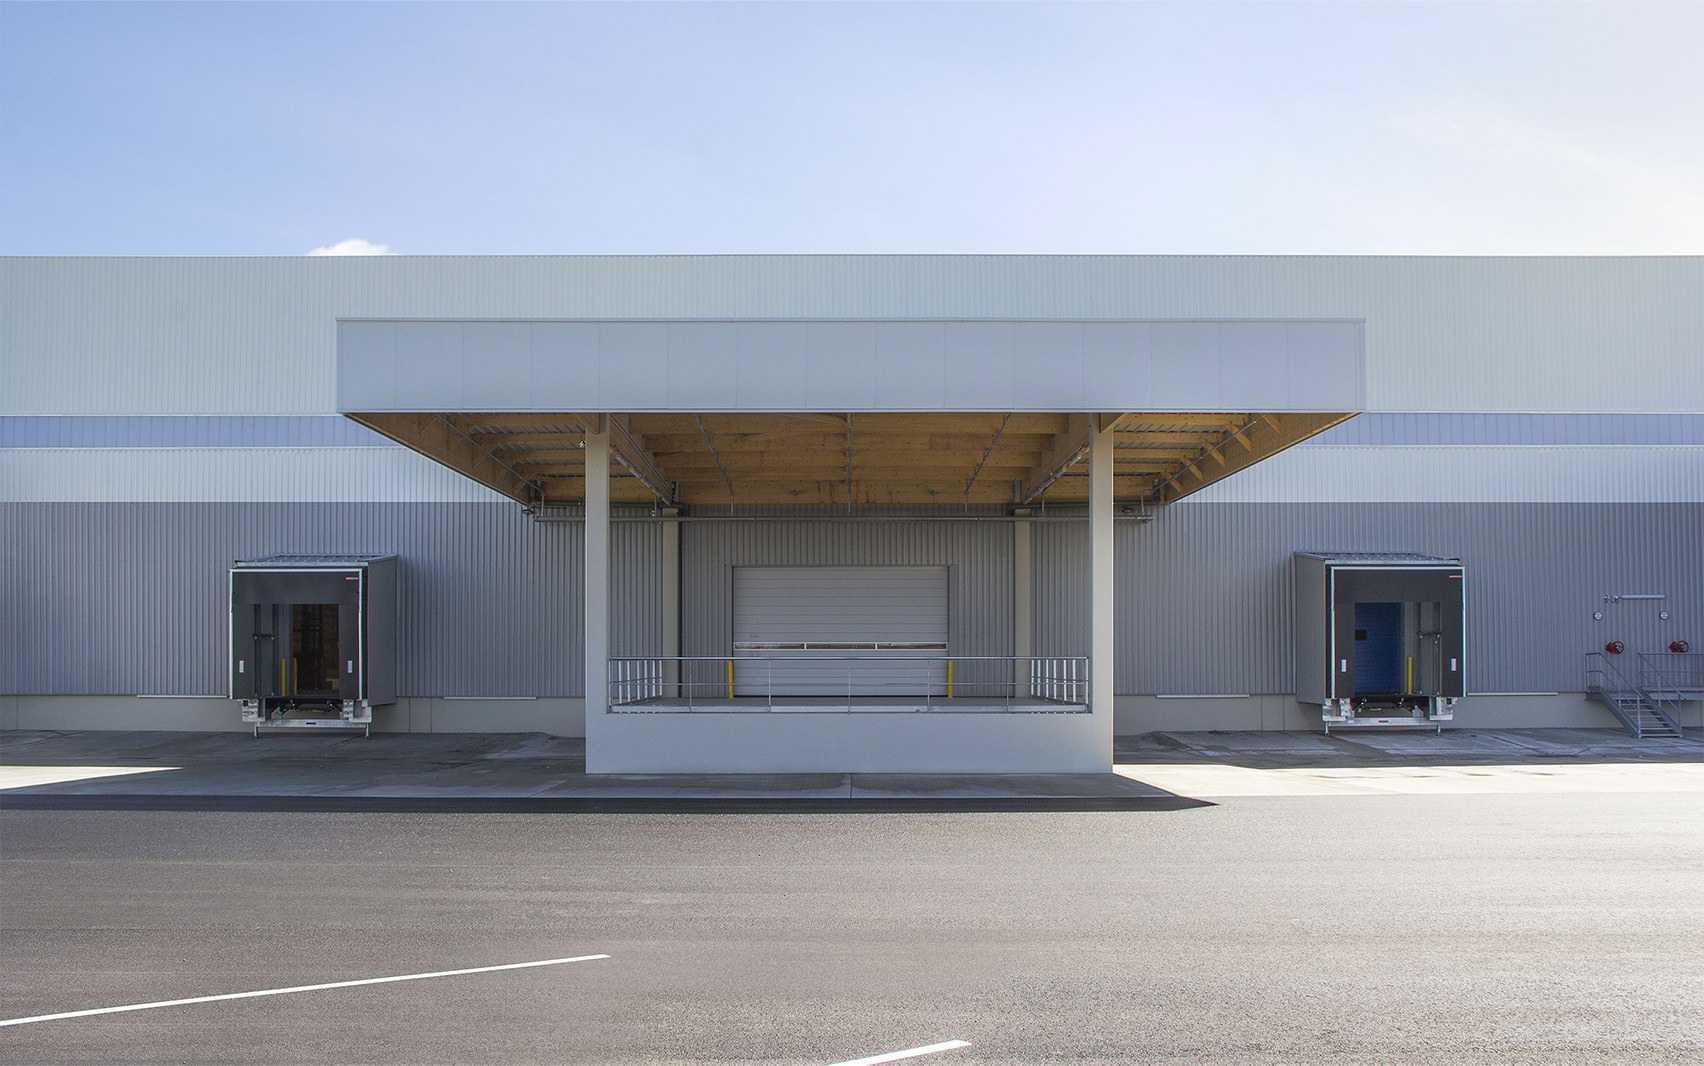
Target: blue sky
{"type": "Point", "coordinates": [274, 129]}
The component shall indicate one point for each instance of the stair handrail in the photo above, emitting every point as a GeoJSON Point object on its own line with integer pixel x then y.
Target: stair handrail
{"type": "Point", "coordinates": [1604, 668]}
{"type": "Point", "coordinates": [1665, 690]}
{"type": "Point", "coordinates": [1683, 671]}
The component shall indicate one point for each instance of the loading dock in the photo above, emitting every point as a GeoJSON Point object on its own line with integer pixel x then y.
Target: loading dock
{"type": "Point", "coordinates": [1380, 638]}
{"type": "Point", "coordinates": [313, 640]}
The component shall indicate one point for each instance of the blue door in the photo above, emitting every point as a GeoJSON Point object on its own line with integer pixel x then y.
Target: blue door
{"type": "Point", "coordinates": [1378, 649]}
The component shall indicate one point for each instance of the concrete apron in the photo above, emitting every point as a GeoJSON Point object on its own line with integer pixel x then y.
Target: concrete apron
{"type": "Point", "coordinates": [1153, 769]}
{"type": "Point", "coordinates": [450, 766]}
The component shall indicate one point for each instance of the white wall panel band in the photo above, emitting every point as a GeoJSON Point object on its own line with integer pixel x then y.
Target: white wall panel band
{"type": "Point", "coordinates": [1466, 474]}
{"type": "Point", "coordinates": [232, 475]}
{"type": "Point", "coordinates": [258, 335]}
{"type": "Point", "coordinates": [813, 619]}
{"type": "Point", "coordinates": [450, 365]}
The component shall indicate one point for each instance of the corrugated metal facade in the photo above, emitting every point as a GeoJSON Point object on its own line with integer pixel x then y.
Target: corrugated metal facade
{"type": "Point", "coordinates": [1204, 592]}
{"type": "Point", "coordinates": [979, 583]}
{"type": "Point", "coordinates": [131, 598]}
{"type": "Point", "coordinates": [258, 336]}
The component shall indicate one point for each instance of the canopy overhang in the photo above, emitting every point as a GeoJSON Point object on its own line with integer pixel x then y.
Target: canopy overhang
{"type": "Point", "coordinates": [849, 411]}
{"type": "Point", "coordinates": [1012, 458]}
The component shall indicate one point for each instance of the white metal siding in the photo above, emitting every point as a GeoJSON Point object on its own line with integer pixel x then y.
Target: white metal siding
{"type": "Point", "coordinates": [236, 336]}
{"type": "Point", "coordinates": [801, 613]}
{"type": "Point", "coordinates": [1400, 474]}
{"type": "Point", "coordinates": [872, 365]}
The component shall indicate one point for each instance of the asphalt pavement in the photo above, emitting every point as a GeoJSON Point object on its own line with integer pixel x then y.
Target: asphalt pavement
{"type": "Point", "coordinates": [1552, 923]}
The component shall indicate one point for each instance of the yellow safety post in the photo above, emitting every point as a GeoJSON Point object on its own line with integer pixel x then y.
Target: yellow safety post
{"type": "Point", "coordinates": [1411, 675]}
{"type": "Point", "coordinates": [949, 679]}
{"type": "Point", "coordinates": [730, 679]}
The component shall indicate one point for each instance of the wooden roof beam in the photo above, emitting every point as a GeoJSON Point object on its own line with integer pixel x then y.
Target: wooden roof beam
{"type": "Point", "coordinates": [440, 439]}
{"type": "Point", "coordinates": [1068, 448]}
{"type": "Point", "coordinates": [630, 451]}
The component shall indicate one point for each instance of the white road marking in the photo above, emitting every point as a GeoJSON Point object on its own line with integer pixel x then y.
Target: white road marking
{"type": "Point", "coordinates": [299, 988]}
{"type": "Point", "coordinates": [27, 776]}
{"type": "Point", "coordinates": [910, 1053]}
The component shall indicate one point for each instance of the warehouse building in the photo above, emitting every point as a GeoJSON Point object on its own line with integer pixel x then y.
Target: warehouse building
{"type": "Point", "coordinates": [937, 513]}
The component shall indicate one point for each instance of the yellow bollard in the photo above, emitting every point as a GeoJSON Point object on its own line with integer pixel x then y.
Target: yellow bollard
{"type": "Point", "coordinates": [730, 679]}
{"type": "Point", "coordinates": [949, 679]}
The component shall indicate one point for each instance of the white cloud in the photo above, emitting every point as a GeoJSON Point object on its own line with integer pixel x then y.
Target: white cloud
{"type": "Point", "coordinates": [353, 246]}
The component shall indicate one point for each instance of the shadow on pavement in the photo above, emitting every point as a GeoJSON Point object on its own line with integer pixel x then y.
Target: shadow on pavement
{"type": "Point", "coordinates": [593, 805]}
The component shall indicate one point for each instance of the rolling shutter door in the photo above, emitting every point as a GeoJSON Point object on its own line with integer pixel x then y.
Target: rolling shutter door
{"type": "Point", "coordinates": [807, 621]}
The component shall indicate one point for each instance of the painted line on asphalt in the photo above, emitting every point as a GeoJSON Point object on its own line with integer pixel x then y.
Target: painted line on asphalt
{"type": "Point", "coordinates": [909, 1053]}
{"type": "Point", "coordinates": [301, 988]}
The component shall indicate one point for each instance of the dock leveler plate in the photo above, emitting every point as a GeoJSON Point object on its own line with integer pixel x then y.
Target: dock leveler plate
{"type": "Point", "coordinates": [1380, 638]}
{"type": "Point", "coordinates": [313, 640]}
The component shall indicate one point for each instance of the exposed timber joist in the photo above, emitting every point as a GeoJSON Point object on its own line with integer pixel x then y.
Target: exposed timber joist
{"type": "Point", "coordinates": [1067, 449]}
{"type": "Point", "coordinates": [1260, 437]}
{"type": "Point", "coordinates": [974, 457]}
{"type": "Point", "coordinates": [439, 438]}
{"type": "Point", "coordinates": [631, 453]}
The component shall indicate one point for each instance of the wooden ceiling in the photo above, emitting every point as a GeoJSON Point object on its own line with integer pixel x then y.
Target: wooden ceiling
{"type": "Point", "coordinates": [944, 458]}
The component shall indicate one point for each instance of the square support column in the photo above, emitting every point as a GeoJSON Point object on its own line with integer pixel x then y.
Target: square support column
{"type": "Point", "coordinates": [1023, 601]}
{"type": "Point", "coordinates": [1101, 598]}
{"type": "Point", "coordinates": [671, 599]}
{"type": "Point", "coordinates": [596, 558]}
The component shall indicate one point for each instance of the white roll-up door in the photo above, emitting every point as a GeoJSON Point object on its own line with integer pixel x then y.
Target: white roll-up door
{"type": "Point", "coordinates": [840, 630]}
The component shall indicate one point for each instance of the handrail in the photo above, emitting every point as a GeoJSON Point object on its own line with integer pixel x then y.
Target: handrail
{"type": "Point", "coordinates": [1664, 688]}
{"type": "Point", "coordinates": [1025, 682]}
{"type": "Point", "coordinates": [1684, 671]}
{"type": "Point", "coordinates": [1604, 668]}
{"type": "Point", "coordinates": [1652, 693]}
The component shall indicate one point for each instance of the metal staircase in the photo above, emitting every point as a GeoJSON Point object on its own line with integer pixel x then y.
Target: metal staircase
{"type": "Point", "coordinates": [1647, 707]}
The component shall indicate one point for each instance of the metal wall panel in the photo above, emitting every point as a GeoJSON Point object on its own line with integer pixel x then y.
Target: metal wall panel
{"type": "Point", "coordinates": [459, 365]}
{"type": "Point", "coordinates": [233, 475]}
{"type": "Point", "coordinates": [133, 598]}
{"type": "Point", "coordinates": [1059, 587]}
{"type": "Point", "coordinates": [979, 582]}
{"type": "Point", "coordinates": [1452, 474]}
{"type": "Point", "coordinates": [1204, 591]}
{"type": "Point", "coordinates": [1506, 429]}
{"type": "Point", "coordinates": [780, 608]}
{"type": "Point", "coordinates": [187, 431]}
{"type": "Point", "coordinates": [258, 335]}
{"type": "Point", "coordinates": [635, 588]}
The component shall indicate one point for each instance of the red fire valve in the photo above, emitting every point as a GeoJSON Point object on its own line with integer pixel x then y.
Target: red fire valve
{"type": "Point", "coordinates": [1679, 647]}
{"type": "Point", "coordinates": [1615, 647]}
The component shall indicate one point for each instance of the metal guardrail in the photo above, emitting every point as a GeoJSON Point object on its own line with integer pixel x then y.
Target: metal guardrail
{"type": "Point", "coordinates": [1605, 678]}
{"type": "Point", "coordinates": [1636, 702]}
{"type": "Point", "coordinates": [1680, 673]}
{"type": "Point", "coordinates": [1014, 683]}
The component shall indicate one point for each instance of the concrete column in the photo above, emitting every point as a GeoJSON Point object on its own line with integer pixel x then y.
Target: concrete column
{"type": "Point", "coordinates": [1101, 642]}
{"type": "Point", "coordinates": [1023, 604]}
{"type": "Point", "coordinates": [671, 598]}
{"type": "Point", "coordinates": [596, 587]}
